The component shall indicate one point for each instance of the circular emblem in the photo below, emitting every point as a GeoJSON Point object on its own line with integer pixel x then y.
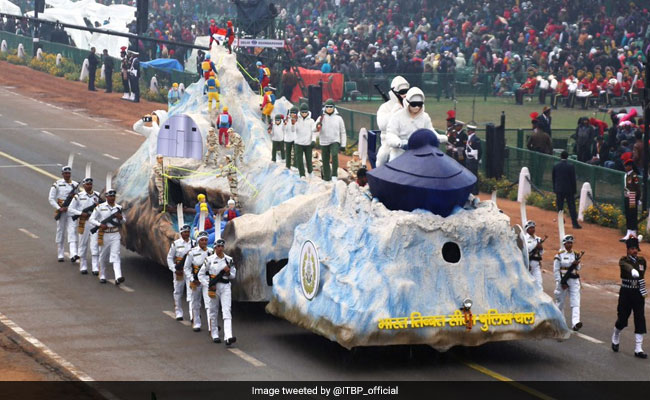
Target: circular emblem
{"type": "Point", "coordinates": [309, 269]}
{"type": "Point", "coordinates": [253, 41]}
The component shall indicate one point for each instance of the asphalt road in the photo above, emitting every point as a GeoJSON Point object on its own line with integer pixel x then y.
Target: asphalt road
{"type": "Point", "coordinates": [113, 334]}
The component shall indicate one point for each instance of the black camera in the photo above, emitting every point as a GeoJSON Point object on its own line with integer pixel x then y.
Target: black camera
{"type": "Point", "coordinates": [147, 118]}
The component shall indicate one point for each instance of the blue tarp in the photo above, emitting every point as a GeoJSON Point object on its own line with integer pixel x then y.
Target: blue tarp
{"type": "Point", "coordinates": [166, 64]}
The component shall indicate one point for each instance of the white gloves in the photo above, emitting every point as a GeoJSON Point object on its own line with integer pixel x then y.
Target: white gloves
{"type": "Point", "coordinates": [635, 273]}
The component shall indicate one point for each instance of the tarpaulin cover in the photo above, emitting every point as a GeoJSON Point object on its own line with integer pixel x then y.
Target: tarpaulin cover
{"type": "Point", "coordinates": [166, 64]}
{"type": "Point", "coordinates": [253, 15]}
{"type": "Point", "coordinates": [423, 177]}
{"type": "Point", "coordinates": [332, 89]}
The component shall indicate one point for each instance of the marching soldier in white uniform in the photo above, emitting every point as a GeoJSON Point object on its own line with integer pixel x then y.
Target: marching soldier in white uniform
{"type": "Point", "coordinates": [535, 251]}
{"type": "Point", "coordinates": [567, 262]}
{"type": "Point", "coordinates": [195, 259]}
{"type": "Point", "coordinates": [108, 218]}
{"type": "Point", "coordinates": [82, 206]}
{"type": "Point", "coordinates": [59, 191]}
{"type": "Point", "coordinates": [176, 257]}
{"type": "Point", "coordinates": [216, 274]}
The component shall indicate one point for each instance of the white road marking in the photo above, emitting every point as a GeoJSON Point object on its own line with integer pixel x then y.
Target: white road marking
{"type": "Point", "coordinates": [110, 156]}
{"type": "Point", "coordinates": [248, 358]}
{"type": "Point", "coordinates": [21, 123]}
{"type": "Point", "coordinates": [82, 376]}
{"type": "Point", "coordinates": [172, 315]}
{"type": "Point", "coordinates": [36, 165]}
{"type": "Point", "coordinates": [48, 133]}
{"type": "Point", "coordinates": [588, 338]}
{"type": "Point", "coordinates": [600, 289]}
{"type": "Point", "coordinates": [78, 144]}
{"type": "Point", "coordinates": [28, 233]}
{"type": "Point", "coordinates": [122, 286]}
{"type": "Point", "coordinates": [132, 132]}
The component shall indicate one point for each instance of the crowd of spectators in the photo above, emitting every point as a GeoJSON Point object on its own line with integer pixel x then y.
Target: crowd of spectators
{"type": "Point", "coordinates": [361, 37]}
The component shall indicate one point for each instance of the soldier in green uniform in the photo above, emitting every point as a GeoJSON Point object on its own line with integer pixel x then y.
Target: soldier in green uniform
{"type": "Point", "coordinates": [631, 297]}
{"type": "Point", "coordinates": [632, 195]}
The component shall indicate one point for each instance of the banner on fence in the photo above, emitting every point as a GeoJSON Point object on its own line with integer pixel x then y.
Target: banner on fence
{"type": "Point", "coordinates": [272, 43]}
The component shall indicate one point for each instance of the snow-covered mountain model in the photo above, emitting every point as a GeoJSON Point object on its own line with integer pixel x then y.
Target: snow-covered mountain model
{"type": "Point", "coordinates": [330, 258]}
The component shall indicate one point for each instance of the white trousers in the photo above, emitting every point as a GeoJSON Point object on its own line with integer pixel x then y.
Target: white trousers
{"type": "Point", "coordinates": [179, 287]}
{"type": "Point", "coordinates": [382, 155]}
{"type": "Point", "coordinates": [223, 298]}
{"type": "Point", "coordinates": [574, 298]}
{"type": "Point", "coordinates": [195, 305]}
{"type": "Point", "coordinates": [536, 272]}
{"type": "Point", "coordinates": [67, 225]}
{"type": "Point", "coordinates": [110, 252]}
{"type": "Point", "coordinates": [85, 239]}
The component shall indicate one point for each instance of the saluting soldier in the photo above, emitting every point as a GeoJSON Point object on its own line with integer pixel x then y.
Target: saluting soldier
{"type": "Point", "coordinates": [195, 259]}
{"type": "Point", "coordinates": [213, 149]}
{"type": "Point", "coordinates": [631, 297]}
{"type": "Point", "coordinates": [82, 206]}
{"type": "Point", "coordinates": [59, 191]}
{"type": "Point", "coordinates": [216, 274]}
{"type": "Point", "coordinates": [535, 251]}
{"type": "Point", "coordinates": [567, 261]}
{"type": "Point", "coordinates": [236, 142]}
{"type": "Point", "coordinates": [632, 195]}
{"type": "Point", "coordinates": [109, 235]}
{"type": "Point", "coordinates": [176, 262]}
{"type": "Point", "coordinates": [473, 154]}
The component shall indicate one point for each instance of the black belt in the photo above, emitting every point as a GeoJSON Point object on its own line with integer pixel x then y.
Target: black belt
{"type": "Point", "coordinates": [630, 283]}
{"type": "Point", "coordinates": [223, 280]}
{"type": "Point", "coordinates": [532, 258]}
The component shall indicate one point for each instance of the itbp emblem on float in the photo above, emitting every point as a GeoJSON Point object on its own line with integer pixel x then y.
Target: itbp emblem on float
{"type": "Point", "coordinates": [309, 269]}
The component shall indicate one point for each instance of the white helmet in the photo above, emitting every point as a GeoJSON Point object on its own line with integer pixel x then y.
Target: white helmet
{"type": "Point", "coordinates": [399, 83]}
{"type": "Point", "coordinates": [612, 81]}
{"type": "Point", "coordinates": [414, 94]}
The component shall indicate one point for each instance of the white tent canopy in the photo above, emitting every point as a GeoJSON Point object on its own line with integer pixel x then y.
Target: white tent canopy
{"type": "Point", "coordinates": [116, 17]}
{"type": "Point", "coordinates": [8, 7]}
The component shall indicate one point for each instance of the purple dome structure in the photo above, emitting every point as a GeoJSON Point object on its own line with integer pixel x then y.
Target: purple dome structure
{"type": "Point", "coordinates": [423, 177]}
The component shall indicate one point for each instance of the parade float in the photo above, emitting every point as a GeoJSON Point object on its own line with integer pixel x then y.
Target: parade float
{"type": "Point", "coordinates": [413, 259]}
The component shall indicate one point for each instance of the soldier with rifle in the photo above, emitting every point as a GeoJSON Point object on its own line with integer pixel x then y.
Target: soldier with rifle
{"type": "Point", "coordinates": [195, 259]}
{"type": "Point", "coordinates": [632, 296]}
{"type": "Point", "coordinates": [81, 208]}
{"type": "Point", "coordinates": [216, 273]}
{"type": "Point", "coordinates": [176, 258]}
{"type": "Point", "coordinates": [567, 280]}
{"type": "Point", "coordinates": [107, 218]}
{"type": "Point", "coordinates": [61, 194]}
{"type": "Point", "coordinates": [535, 251]}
